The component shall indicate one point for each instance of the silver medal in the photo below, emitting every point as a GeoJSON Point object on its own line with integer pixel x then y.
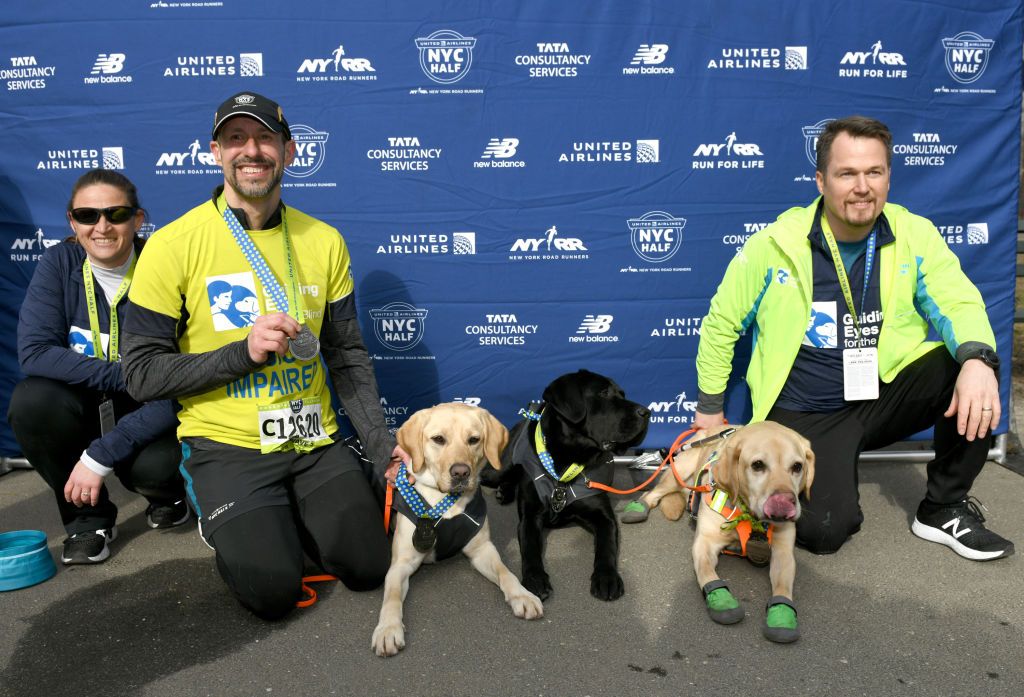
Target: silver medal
{"type": "Point", "coordinates": [305, 346]}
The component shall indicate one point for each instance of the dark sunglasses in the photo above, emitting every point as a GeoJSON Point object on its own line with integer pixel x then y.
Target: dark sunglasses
{"type": "Point", "coordinates": [114, 214]}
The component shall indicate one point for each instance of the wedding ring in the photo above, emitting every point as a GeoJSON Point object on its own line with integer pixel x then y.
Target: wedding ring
{"type": "Point", "coordinates": [986, 408]}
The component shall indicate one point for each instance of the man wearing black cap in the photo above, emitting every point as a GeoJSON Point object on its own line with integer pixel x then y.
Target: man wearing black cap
{"type": "Point", "coordinates": [233, 303]}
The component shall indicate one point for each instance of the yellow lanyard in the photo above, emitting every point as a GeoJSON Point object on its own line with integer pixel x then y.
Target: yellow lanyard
{"type": "Point", "coordinates": [844, 282]}
{"type": "Point", "coordinates": [94, 316]}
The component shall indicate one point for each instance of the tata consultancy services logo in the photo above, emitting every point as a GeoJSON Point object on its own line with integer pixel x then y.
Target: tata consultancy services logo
{"type": "Point", "coordinates": [656, 236]}
{"type": "Point", "coordinates": [446, 56]}
{"type": "Point", "coordinates": [310, 151]}
{"type": "Point", "coordinates": [398, 326]}
{"type": "Point", "coordinates": [967, 56]}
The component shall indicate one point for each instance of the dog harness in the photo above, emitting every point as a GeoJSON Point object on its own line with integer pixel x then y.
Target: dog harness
{"type": "Point", "coordinates": [737, 517]}
{"type": "Point", "coordinates": [529, 450]}
{"type": "Point", "coordinates": [452, 534]}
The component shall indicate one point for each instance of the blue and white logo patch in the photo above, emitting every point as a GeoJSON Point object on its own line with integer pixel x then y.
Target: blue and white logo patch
{"type": "Point", "coordinates": [80, 341]}
{"type": "Point", "coordinates": [822, 327]}
{"type": "Point", "coordinates": [234, 303]}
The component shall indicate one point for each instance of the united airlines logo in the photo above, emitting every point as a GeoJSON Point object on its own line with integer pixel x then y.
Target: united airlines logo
{"type": "Point", "coordinates": [656, 236]}
{"type": "Point", "coordinates": [310, 151]}
{"type": "Point", "coordinates": [967, 56]}
{"type": "Point", "coordinates": [399, 326]}
{"type": "Point", "coordinates": [594, 329]}
{"type": "Point", "coordinates": [648, 151]}
{"type": "Point", "coordinates": [463, 243]}
{"type": "Point", "coordinates": [972, 233]}
{"type": "Point", "coordinates": [244, 65]}
{"type": "Point", "coordinates": [641, 151]}
{"type": "Point", "coordinates": [337, 68]}
{"type": "Point", "coordinates": [446, 56]}
{"type": "Point", "coordinates": [977, 233]}
{"type": "Point", "coordinates": [499, 153]}
{"type": "Point", "coordinates": [113, 158]}
{"type": "Point", "coordinates": [733, 58]}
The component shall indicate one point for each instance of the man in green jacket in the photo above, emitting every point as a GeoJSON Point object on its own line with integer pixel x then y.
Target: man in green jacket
{"type": "Point", "coordinates": [839, 297]}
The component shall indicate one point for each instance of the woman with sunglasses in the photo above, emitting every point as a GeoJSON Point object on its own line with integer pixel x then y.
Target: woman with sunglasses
{"type": "Point", "coordinates": [72, 416]}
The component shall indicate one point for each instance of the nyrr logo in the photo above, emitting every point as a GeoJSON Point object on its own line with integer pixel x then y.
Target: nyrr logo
{"type": "Point", "coordinates": [193, 161]}
{"type": "Point", "coordinates": [310, 151]}
{"type": "Point", "coordinates": [728, 155]}
{"type": "Point", "coordinates": [499, 153]}
{"type": "Point", "coordinates": [337, 68]}
{"type": "Point", "coordinates": [399, 326]}
{"type": "Point", "coordinates": [551, 246]}
{"type": "Point", "coordinates": [811, 134]}
{"type": "Point", "coordinates": [967, 56]}
{"type": "Point", "coordinates": [30, 248]}
{"type": "Point", "coordinates": [446, 56]}
{"type": "Point", "coordinates": [872, 64]}
{"type": "Point", "coordinates": [674, 412]}
{"type": "Point", "coordinates": [594, 329]}
{"type": "Point", "coordinates": [656, 236]}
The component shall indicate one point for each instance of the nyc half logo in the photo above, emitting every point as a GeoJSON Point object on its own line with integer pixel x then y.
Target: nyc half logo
{"type": "Point", "coordinates": [811, 134]}
{"type": "Point", "coordinates": [967, 56]}
{"type": "Point", "coordinates": [398, 326]}
{"type": "Point", "coordinates": [310, 151]}
{"type": "Point", "coordinates": [446, 56]}
{"type": "Point", "coordinates": [656, 236]}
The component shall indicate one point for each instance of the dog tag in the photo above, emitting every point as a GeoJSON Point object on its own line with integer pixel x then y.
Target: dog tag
{"type": "Point", "coordinates": [759, 551]}
{"type": "Point", "coordinates": [558, 498]}
{"type": "Point", "coordinates": [107, 418]}
{"type": "Point", "coordinates": [424, 537]}
{"type": "Point", "coordinates": [305, 346]}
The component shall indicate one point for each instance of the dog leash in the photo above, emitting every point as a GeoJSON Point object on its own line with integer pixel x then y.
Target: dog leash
{"type": "Point", "coordinates": [679, 446]}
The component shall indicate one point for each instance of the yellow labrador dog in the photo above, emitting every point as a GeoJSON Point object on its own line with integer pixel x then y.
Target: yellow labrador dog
{"type": "Point", "coordinates": [756, 476]}
{"type": "Point", "coordinates": [443, 512]}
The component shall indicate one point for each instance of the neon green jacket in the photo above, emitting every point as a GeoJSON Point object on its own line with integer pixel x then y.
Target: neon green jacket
{"type": "Point", "coordinates": [767, 289]}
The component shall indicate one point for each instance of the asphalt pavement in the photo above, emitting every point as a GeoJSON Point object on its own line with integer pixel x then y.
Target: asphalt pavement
{"type": "Point", "coordinates": [888, 615]}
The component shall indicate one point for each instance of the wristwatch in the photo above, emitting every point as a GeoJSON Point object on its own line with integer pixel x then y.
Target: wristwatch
{"type": "Point", "coordinates": [986, 356]}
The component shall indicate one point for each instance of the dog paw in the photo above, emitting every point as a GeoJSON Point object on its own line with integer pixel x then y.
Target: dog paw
{"type": "Point", "coordinates": [606, 585]}
{"type": "Point", "coordinates": [388, 639]}
{"type": "Point", "coordinates": [505, 494]}
{"type": "Point", "coordinates": [526, 605]}
{"type": "Point", "coordinates": [538, 584]}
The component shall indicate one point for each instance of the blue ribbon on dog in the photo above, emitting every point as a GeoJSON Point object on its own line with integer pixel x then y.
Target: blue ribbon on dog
{"type": "Point", "coordinates": [416, 502]}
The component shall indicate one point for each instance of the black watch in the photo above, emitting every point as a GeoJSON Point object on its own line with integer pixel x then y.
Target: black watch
{"type": "Point", "coordinates": [986, 356]}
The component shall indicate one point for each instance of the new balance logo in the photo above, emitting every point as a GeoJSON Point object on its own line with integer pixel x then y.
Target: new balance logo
{"type": "Point", "coordinates": [650, 54]}
{"type": "Point", "coordinates": [500, 148]}
{"type": "Point", "coordinates": [595, 324]}
{"type": "Point", "coordinates": [954, 528]}
{"type": "Point", "coordinates": [108, 64]}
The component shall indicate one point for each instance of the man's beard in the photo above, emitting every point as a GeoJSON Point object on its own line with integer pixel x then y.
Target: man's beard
{"type": "Point", "coordinates": [254, 190]}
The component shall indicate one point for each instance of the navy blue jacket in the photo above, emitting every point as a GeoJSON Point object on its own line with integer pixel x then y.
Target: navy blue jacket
{"type": "Point", "coordinates": [54, 303]}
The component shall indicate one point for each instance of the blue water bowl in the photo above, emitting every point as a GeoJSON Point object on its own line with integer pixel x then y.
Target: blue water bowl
{"type": "Point", "coordinates": [24, 559]}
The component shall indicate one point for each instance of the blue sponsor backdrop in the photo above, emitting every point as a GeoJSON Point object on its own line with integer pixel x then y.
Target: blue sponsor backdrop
{"type": "Point", "coordinates": [526, 188]}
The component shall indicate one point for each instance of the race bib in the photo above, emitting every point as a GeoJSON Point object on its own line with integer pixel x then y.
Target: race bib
{"type": "Point", "coordinates": [297, 423]}
{"type": "Point", "coordinates": [860, 374]}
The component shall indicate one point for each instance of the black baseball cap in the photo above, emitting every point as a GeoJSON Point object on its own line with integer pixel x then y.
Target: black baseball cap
{"type": "Point", "coordinates": [266, 111]}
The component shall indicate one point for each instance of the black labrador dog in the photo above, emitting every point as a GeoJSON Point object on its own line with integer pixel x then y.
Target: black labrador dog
{"type": "Point", "coordinates": [562, 444]}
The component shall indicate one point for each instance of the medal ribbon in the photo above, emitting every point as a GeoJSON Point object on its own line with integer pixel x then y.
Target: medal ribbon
{"type": "Point", "coordinates": [416, 502]}
{"type": "Point", "coordinates": [283, 300]}
{"type": "Point", "coordinates": [844, 282]}
{"type": "Point", "coordinates": [94, 316]}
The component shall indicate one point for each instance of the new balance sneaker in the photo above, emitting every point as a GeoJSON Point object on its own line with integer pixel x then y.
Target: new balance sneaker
{"type": "Point", "coordinates": [88, 547]}
{"type": "Point", "coordinates": [960, 526]}
{"type": "Point", "coordinates": [167, 515]}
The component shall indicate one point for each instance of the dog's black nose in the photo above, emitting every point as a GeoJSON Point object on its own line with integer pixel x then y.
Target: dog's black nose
{"type": "Point", "coordinates": [459, 470]}
{"type": "Point", "coordinates": [643, 412]}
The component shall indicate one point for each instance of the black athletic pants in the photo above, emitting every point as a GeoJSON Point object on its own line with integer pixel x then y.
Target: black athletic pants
{"type": "Point", "coordinates": [54, 422]}
{"type": "Point", "coordinates": [339, 525]}
{"type": "Point", "coordinates": [912, 402]}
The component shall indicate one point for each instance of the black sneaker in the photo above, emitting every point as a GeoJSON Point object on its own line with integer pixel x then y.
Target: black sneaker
{"type": "Point", "coordinates": [960, 526]}
{"type": "Point", "coordinates": [167, 515]}
{"type": "Point", "coordinates": [88, 547]}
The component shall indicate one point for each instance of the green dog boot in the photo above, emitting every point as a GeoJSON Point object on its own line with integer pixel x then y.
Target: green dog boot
{"type": "Point", "coordinates": [780, 621]}
{"type": "Point", "coordinates": [635, 512]}
{"type": "Point", "coordinates": [722, 605]}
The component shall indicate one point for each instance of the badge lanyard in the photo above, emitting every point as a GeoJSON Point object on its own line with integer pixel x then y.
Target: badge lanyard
{"type": "Point", "coordinates": [94, 317]}
{"type": "Point", "coordinates": [284, 300]}
{"type": "Point", "coordinates": [844, 282]}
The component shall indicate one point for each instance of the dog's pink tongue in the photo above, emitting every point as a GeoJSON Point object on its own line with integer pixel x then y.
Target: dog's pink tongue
{"type": "Point", "coordinates": [780, 507]}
